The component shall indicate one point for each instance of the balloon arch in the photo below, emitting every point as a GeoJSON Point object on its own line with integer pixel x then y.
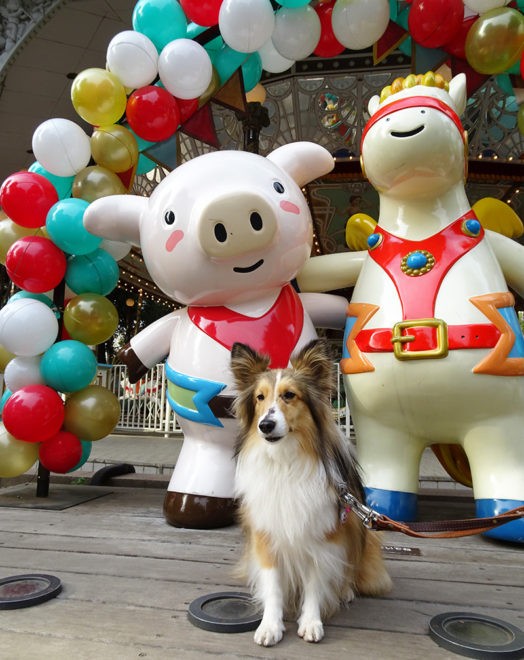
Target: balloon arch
{"type": "Point", "coordinates": [159, 79]}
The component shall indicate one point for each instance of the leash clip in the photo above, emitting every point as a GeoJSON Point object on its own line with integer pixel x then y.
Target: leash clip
{"type": "Point", "coordinates": [367, 516]}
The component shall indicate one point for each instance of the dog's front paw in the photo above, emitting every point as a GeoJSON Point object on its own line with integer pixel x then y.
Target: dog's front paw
{"type": "Point", "coordinates": [311, 630]}
{"type": "Point", "coordinates": [269, 633]}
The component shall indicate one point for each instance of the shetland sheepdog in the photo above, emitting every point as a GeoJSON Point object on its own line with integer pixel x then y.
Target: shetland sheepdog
{"type": "Point", "coordinates": [304, 555]}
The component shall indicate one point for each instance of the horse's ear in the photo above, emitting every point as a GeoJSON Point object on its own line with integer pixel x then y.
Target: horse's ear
{"type": "Point", "coordinates": [458, 92]}
{"type": "Point", "coordinates": [373, 105]}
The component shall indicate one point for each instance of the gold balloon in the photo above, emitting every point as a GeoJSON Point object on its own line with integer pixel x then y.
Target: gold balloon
{"type": "Point", "coordinates": [498, 216]}
{"type": "Point", "coordinates": [91, 413]}
{"type": "Point", "coordinates": [358, 227]}
{"type": "Point", "coordinates": [114, 147]}
{"type": "Point", "coordinates": [90, 318]}
{"type": "Point", "coordinates": [98, 97]}
{"type": "Point", "coordinates": [213, 87]}
{"type": "Point", "coordinates": [5, 357]}
{"type": "Point", "coordinates": [16, 456]}
{"type": "Point", "coordinates": [495, 41]}
{"type": "Point", "coordinates": [520, 119]}
{"type": "Point", "coordinates": [94, 182]}
{"type": "Point", "coordinates": [11, 232]}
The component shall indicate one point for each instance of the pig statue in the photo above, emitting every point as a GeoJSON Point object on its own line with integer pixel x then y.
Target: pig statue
{"type": "Point", "coordinates": [433, 351]}
{"type": "Point", "coordinates": [223, 234]}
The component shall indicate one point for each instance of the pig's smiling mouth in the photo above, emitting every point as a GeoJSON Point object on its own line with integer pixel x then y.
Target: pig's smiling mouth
{"type": "Point", "coordinates": [248, 269]}
{"type": "Point", "coordinates": [403, 134]}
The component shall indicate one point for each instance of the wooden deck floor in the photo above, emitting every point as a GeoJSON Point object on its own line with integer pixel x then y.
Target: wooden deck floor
{"type": "Point", "coordinates": [128, 579]}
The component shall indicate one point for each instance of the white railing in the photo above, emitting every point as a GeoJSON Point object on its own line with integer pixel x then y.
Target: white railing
{"type": "Point", "coordinates": [145, 408]}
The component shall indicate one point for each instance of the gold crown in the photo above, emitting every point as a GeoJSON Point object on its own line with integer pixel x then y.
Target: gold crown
{"type": "Point", "coordinates": [429, 79]}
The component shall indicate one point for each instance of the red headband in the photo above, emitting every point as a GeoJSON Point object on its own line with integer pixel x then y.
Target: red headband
{"type": "Point", "coordinates": [413, 102]}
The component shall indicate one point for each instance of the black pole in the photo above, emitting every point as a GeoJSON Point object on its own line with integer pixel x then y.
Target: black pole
{"type": "Point", "coordinates": [253, 120]}
{"type": "Point", "coordinates": [42, 481]}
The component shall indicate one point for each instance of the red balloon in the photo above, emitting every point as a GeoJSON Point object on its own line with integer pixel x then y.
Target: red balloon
{"type": "Point", "coordinates": [328, 45]}
{"type": "Point", "coordinates": [457, 44]}
{"type": "Point", "coordinates": [33, 413]}
{"type": "Point", "coordinates": [202, 12]}
{"type": "Point", "coordinates": [26, 197]}
{"type": "Point", "coordinates": [432, 23]}
{"type": "Point", "coordinates": [35, 264]}
{"type": "Point", "coordinates": [152, 113]}
{"type": "Point", "coordinates": [61, 452]}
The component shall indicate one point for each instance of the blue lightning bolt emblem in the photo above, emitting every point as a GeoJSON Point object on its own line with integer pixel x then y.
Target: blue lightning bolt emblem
{"type": "Point", "coordinates": [190, 396]}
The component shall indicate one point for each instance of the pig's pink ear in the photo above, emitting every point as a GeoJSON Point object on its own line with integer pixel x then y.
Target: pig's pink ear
{"type": "Point", "coordinates": [303, 161]}
{"type": "Point", "coordinates": [116, 217]}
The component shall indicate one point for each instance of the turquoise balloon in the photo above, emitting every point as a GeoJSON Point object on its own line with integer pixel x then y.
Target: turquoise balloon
{"type": "Point", "coordinates": [252, 71]}
{"type": "Point", "coordinates": [68, 366]}
{"type": "Point", "coordinates": [64, 224]}
{"type": "Point", "coordinates": [86, 451]}
{"type": "Point", "coordinates": [293, 3]}
{"type": "Point", "coordinates": [36, 296]}
{"type": "Point", "coordinates": [96, 272]}
{"type": "Point", "coordinates": [5, 396]}
{"type": "Point", "coordinates": [62, 184]}
{"type": "Point", "coordinates": [160, 20]}
{"type": "Point", "coordinates": [193, 30]}
{"type": "Point", "coordinates": [226, 61]}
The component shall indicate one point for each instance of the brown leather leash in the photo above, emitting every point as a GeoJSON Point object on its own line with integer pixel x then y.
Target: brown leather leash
{"type": "Point", "coordinates": [440, 529]}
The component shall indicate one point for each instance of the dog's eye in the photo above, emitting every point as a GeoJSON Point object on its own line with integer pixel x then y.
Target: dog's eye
{"type": "Point", "coordinates": [287, 396]}
{"type": "Point", "coordinates": [260, 397]}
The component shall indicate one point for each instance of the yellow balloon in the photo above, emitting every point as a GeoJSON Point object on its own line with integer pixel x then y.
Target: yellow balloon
{"type": "Point", "coordinates": [98, 97]}
{"type": "Point", "coordinates": [91, 319]}
{"type": "Point", "coordinates": [16, 456]}
{"type": "Point", "coordinates": [114, 147]}
{"type": "Point", "coordinates": [358, 228]}
{"type": "Point", "coordinates": [5, 357]}
{"type": "Point", "coordinates": [91, 413]}
{"type": "Point", "coordinates": [495, 41]}
{"type": "Point", "coordinates": [94, 182]}
{"type": "Point", "coordinates": [213, 86]}
{"type": "Point", "coordinates": [11, 232]}
{"type": "Point", "coordinates": [498, 216]}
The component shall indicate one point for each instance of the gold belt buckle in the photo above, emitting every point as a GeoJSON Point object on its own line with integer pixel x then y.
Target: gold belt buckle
{"type": "Point", "coordinates": [398, 339]}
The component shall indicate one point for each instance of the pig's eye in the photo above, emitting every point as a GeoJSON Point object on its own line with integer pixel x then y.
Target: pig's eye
{"type": "Point", "coordinates": [220, 233]}
{"type": "Point", "coordinates": [278, 187]}
{"type": "Point", "coordinates": [169, 217]}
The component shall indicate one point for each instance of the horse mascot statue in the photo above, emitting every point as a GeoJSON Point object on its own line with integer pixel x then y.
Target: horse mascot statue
{"type": "Point", "coordinates": [433, 351]}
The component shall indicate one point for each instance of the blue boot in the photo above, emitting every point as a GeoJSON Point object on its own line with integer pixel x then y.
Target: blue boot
{"type": "Point", "coordinates": [512, 531]}
{"type": "Point", "coordinates": [393, 503]}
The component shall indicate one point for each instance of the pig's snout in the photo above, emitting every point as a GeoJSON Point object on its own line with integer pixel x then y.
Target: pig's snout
{"type": "Point", "coordinates": [235, 225]}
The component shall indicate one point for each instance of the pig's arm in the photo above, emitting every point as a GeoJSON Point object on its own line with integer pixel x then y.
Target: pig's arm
{"type": "Point", "coordinates": [510, 256]}
{"type": "Point", "coordinates": [149, 346]}
{"type": "Point", "coordinates": [325, 310]}
{"type": "Point", "coordinates": [331, 271]}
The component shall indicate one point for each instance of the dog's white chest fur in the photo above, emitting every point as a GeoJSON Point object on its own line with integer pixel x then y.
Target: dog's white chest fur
{"type": "Point", "coordinates": [285, 492]}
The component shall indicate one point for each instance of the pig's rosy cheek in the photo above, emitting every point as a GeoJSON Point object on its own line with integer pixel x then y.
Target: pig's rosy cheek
{"type": "Point", "coordinates": [289, 207]}
{"type": "Point", "coordinates": [174, 239]}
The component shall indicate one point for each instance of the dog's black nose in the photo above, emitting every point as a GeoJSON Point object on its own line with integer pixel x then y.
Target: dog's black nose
{"type": "Point", "coordinates": [266, 426]}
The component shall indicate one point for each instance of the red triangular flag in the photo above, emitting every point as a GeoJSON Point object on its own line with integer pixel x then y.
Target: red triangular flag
{"type": "Point", "coordinates": [202, 127]}
{"type": "Point", "coordinates": [391, 39]}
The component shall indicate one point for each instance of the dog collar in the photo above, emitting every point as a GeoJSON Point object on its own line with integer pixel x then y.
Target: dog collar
{"type": "Point", "coordinates": [413, 102]}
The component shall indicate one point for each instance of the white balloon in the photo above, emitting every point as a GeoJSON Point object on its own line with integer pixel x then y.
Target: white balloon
{"type": "Point", "coordinates": [272, 60]}
{"type": "Point", "coordinates": [116, 249]}
{"type": "Point", "coordinates": [482, 6]}
{"type": "Point", "coordinates": [245, 25]}
{"type": "Point", "coordinates": [61, 147]}
{"type": "Point", "coordinates": [185, 68]}
{"type": "Point", "coordinates": [22, 371]}
{"type": "Point", "coordinates": [297, 31]}
{"type": "Point", "coordinates": [133, 58]}
{"type": "Point", "coordinates": [358, 24]}
{"type": "Point", "coordinates": [28, 327]}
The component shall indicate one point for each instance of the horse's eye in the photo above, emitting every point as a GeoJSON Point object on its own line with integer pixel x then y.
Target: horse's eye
{"type": "Point", "coordinates": [260, 397]}
{"type": "Point", "coordinates": [287, 396]}
{"type": "Point", "coordinates": [169, 217]}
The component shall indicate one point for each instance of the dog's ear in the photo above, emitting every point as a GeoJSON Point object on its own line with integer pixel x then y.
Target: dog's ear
{"type": "Point", "coordinates": [246, 364]}
{"type": "Point", "coordinates": [315, 362]}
